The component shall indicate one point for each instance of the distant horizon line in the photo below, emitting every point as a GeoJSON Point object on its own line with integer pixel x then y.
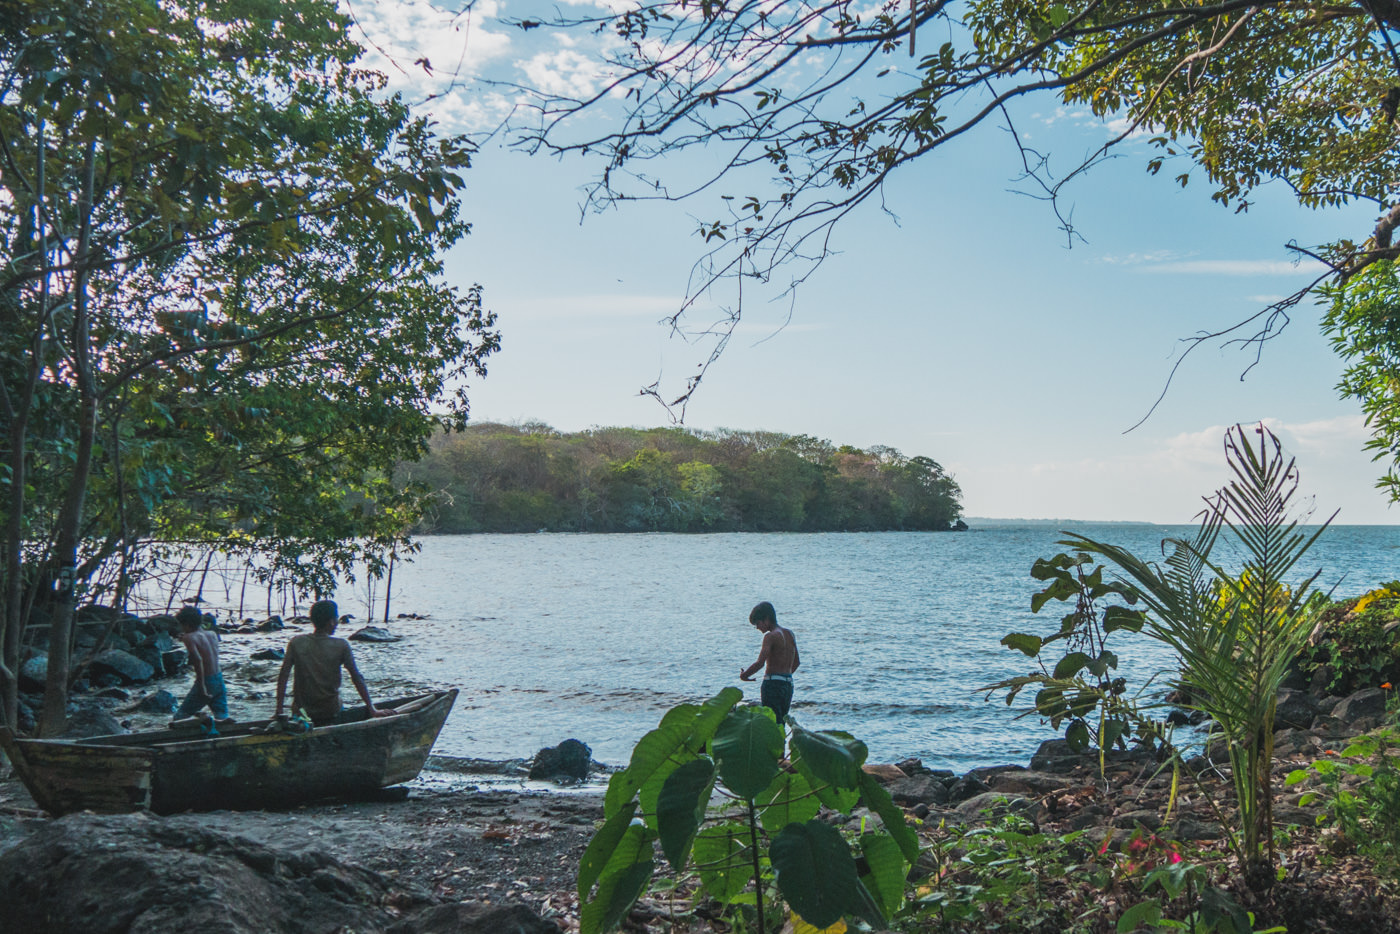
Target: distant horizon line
{"type": "Point", "coordinates": [1019, 520]}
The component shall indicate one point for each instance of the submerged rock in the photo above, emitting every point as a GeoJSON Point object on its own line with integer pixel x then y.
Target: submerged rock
{"type": "Point", "coordinates": [375, 634]}
{"type": "Point", "coordinates": [161, 702]}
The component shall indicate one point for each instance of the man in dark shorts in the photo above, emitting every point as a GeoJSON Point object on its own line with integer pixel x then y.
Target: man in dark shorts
{"type": "Point", "coordinates": [778, 657]}
{"type": "Point", "coordinates": [316, 661]}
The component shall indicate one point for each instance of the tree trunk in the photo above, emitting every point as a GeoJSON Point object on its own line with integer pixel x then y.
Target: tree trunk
{"type": "Point", "coordinates": [54, 716]}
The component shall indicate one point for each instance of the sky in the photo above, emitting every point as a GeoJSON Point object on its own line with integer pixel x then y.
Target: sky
{"type": "Point", "coordinates": [956, 324]}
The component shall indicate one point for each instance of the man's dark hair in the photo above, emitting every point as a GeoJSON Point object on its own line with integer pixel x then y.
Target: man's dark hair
{"type": "Point", "coordinates": [764, 611]}
{"type": "Point", "coordinates": [324, 614]}
{"type": "Point", "coordinates": [189, 618]}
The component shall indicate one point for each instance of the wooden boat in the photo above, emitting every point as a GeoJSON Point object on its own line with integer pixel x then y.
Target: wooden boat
{"type": "Point", "coordinates": [180, 769]}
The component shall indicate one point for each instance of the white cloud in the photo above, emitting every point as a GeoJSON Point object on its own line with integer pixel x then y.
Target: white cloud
{"type": "Point", "coordinates": [1239, 267]}
{"type": "Point", "coordinates": [563, 72]}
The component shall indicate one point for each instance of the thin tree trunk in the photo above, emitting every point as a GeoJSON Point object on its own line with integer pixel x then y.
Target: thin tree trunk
{"type": "Point", "coordinates": [54, 716]}
{"type": "Point", "coordinates": [389, 586]}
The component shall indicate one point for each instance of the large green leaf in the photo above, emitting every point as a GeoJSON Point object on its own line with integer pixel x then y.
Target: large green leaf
{"type": "Point", "coordinates": [711, 714]}
{"type": "Point", "coordinates": [602, 847]}
{"type": "Point", "coordinates": [817, 876]}
{"type": "Point", "coordinates": [789, 799]}
{"type": "Point", "coordinates": [879, 801]}
{"type": "Point", "coordinates": [723, 858]}
{"type": "Point", "coordinates": [681, 808]}
{"type": "Point", "coordinates": [662, 748]}
{"type": "Point", "coordinates": [616, 895]}
{"type": "Point", "coordinates": [838, 799]}
{"type": "Point", "coordinates": [832, 758]}
{"type": "Point", "coordinates": [1023, 642]}
{"type": "Point", "coordinates": [887, 871]}
{"type": "Point", "coordinates": [747, 746]}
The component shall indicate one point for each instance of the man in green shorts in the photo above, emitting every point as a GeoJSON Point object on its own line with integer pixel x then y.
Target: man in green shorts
{"type": "Point", "coordinates": [778, 657]}
{"type": "Point", "coordinates": [316, 661]}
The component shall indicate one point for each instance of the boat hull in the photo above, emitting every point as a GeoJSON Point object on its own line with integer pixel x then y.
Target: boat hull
{"type": "Point", "coordinates": [169, 771]}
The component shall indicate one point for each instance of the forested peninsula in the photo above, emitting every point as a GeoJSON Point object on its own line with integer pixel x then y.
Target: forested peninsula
{"type": "Point", "coordinates": [493, 477]}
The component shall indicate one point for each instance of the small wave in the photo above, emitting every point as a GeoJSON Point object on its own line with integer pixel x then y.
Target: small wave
{"type": "Point", "coordinates": [467, 765]}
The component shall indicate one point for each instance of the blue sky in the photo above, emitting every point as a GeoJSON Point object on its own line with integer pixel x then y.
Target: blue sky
{"type": "Point", "coordinates": [965, 331]}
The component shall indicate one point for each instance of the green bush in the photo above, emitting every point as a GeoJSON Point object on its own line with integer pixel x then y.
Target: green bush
{"type": "Point", "coordinates": [1358, 641]}
{"type": "Point", "coordinates": [1368, 811]}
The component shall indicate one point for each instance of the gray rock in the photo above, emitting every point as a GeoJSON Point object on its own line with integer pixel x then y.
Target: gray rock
{"type": "Point", "coordinates": [271, 624]}
{"type": "Point", "coordinates": [91, 721]}
{"type": "Point", "coordinates": [965, 788]}
{"type": "Point", "coordinates": [375, 634]}
{"type": "Point", "coordinates": [1296, 710]}
{"type": "Point", "coordinates": [992, 804]}
{"type": "Point", "coordinates": [174, 661]}
{"type": "Point", "coordinates": [268, 655]}
{"type": "Point", "coordinates": [164, 623]}
{"type": "Point", "coordinates": [116, 694]}
{"type": "Point", "coordinates": [568, 761]}
{"type": "Point", "coordinates": [1028, 783]}
{"type": "Point", "coordinates": [1145, 817]}
{"type": "Point", "coordinates": [96, 613]}
{"type": "Point", "coordinates": [135, 630]}
{"type": "Point", "coordinates": [33, 672]}
{"type": "Point", "coordinates": [119, 873]}
{"type": "Point", "coordinates": [124, 665]}
{"type": "Point", "coordinates": [160, 641]}
{"type": "Point", "coordinates": [161, 702]}
{"type": "Point", "coordinates": [1055, 755]}
{"type": "Point", "coordinates": [1367, 702]}
{"type": "Point", "coordinates": [151, 656]}
{"type": "Point", "coordinates": [918, 789]}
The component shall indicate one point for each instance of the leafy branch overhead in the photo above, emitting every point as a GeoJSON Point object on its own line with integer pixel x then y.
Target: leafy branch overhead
{"type": "Point", "coordinates": [805, 109]}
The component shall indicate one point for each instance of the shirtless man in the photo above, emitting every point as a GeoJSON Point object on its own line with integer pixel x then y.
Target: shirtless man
{"type": "Point", "coordinates": [203, 648]}
{"type": "Point", "coordinates": [316, 660]}
{"type": "Point", "coordinates": [779, 654]}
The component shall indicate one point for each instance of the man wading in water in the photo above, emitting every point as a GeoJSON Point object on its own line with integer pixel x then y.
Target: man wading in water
{"type": "Point", "coordinates": [779, 654]}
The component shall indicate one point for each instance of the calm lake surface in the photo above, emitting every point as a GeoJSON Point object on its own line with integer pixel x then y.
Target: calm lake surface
{"type": "Point", "coordinates": [596, 636]}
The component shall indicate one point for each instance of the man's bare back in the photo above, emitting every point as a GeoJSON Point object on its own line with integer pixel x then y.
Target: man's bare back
{"type": "Point", "coordinates": [203, 647]}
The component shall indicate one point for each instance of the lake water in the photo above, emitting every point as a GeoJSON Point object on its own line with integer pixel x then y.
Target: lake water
{"type": "Point", "coordinates": [596, 636]}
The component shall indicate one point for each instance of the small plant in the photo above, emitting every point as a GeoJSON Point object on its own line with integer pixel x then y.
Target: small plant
{"type": "Point", "coordinates": [764, 837]}
{"type": "Point", "coordinates": [1080, 692]}
{"type": "Point", "coordinates": [1366, 812]}
{"type": "Point", "coordinates": [1358, 641]}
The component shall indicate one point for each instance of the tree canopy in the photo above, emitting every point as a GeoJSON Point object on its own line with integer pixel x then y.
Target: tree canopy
{"type": "Point", "coordinates": [222, 319]}
{"type": "Point", "coordinates": [815, 103]}
{"type": "Point", "coordinates": [504, 478]}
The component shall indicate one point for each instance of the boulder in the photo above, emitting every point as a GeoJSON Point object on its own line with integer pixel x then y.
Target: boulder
{"type": "Point", "coordinates": [375, 634]}
{"type": "Point", "coordinates": [136, 630]}
{"type": "Point", "coordinates": [116, 694]}
{"type": "Point", "coordinates": [161, 702]}
{"type": "Point", "coordinates": [569, 761]}
{"type": "Point", "coordinates": [151, 656]}
{"type": "Point", "coordinates": [124, 665]}
{"type": "Point", "coordinates": [91, 721]}
{"type": "Point", "coordinates": [271, 624]}
{"type": "Point", "coordinates": [33, 672]}
{"type": "Point", "coordinates": [884, 772]}
{"type": "Point", "coordinates": [162, 641]}
{"type": "Point", "coordinates": [174, 661]}
{"type": "Point", "coordinates": [1365, 703]}
{"type": "Point", "coordinates": [119, 873]}
{"type": "Point", "coordinates": [268, 655]}
{"type": "Point", "coordinates": [1296, 710]}
{"type": "Point", "coordinates": [164, 623]}
{"type": "Point", "coordinates": [990, 804]}
{"type": "Point", "coordinates": [1028, 782]}
{"type": "Point", "coordinates": [96, 613]}
{"type": "Point", "coordinates": [1056, 755]}
{"type": "Point", "coordinates": [965, 788]}
{"type": "Point", "coordinates": [918, 789]}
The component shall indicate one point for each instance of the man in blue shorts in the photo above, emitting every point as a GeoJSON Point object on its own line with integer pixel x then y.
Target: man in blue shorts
{"type": "Point", "coordinates": [777, 656]}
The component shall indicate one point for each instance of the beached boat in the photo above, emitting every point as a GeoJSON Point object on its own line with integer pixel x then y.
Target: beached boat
{"type": "Point", "coordinates": [180, 769]}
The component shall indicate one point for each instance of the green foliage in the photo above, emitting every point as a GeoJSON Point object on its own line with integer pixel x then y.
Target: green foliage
{"type": "Point", "coordinates": [1080, 693]}
{"type": "Point", "coordinates": [1363, 322]}
{"type": "Point", "coordinates": [1361, 796]}
{"type": "Point", "coordinates": [222, 314]}
{"type": "Point", "coordinates": [1358, 641]}
{"type": "Point", "coordinates": [499, 478]}
{"type": "Point", "coordinates": [765, 838]}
